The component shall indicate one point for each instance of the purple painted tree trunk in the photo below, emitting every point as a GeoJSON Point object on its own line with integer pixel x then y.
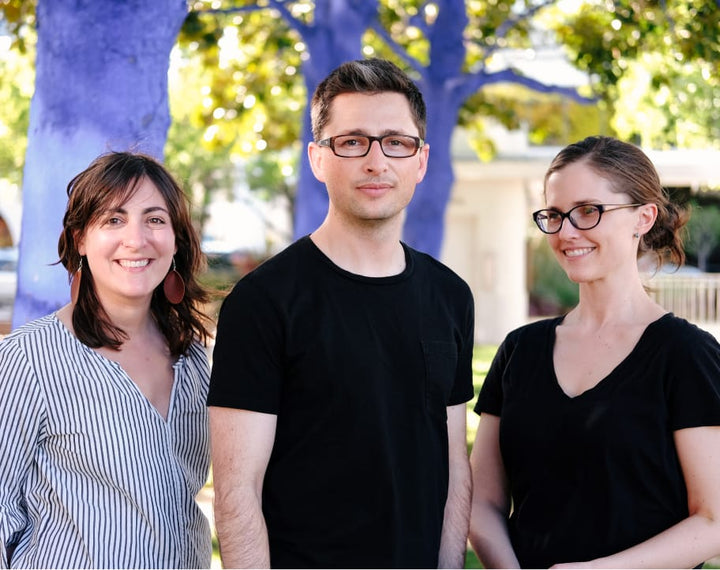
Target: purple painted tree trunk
{"type": "Point", "coordinates": [442, 86]}
{"type": "Point", "coordinates": [425, 221]}
{"type": "Point", "coordinates": [101, 85]}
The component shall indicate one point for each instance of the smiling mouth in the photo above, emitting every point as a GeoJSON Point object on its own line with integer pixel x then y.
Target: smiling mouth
{"type": "Point", "coordinates": [578, 252]}
{"type": "Point", "coordinates": [134, 262]}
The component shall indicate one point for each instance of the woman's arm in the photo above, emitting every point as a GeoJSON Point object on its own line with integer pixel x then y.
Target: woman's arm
{"type": "Point", "coordinates": [491, 498]}
{"type": "Point", "coordinates": [22, 412]}
{"type": "Point", "coordinates": [696, 538]}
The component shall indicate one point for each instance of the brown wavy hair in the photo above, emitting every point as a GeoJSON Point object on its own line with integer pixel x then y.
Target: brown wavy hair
{"type": "Point", "coordinates": [631, 172]}
{"type": "Point", "coordinates": [109, 181]}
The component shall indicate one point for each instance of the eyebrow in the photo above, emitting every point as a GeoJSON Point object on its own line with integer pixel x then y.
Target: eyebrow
{"type": "Point", "coordinates": [575, 204]}
{"type": "Point", "coordinates": [362, 132]}
{"type": "Point", "coordinates": [149, 210]}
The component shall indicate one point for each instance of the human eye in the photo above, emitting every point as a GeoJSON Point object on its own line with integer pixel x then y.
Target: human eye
{"type": "Point", "coordinates": [350, 142]}
{"type": "Point", "coordinates": [406, 142]}
{"type": "Point", "coordinates": [156, 218]}
{"type": "Point", "coordinates": [550, 215]}
{"type": "Point", "coordinates": [587, 210]}
{"type": "Point", "coordinates": [111, 220]}
{"type": "Point", "coordinates": [399, 142]}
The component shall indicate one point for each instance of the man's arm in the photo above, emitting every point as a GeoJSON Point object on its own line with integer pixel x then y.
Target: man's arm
{"type": "Point", "coordinates": [241, 443]}
{"type": "Point", "coordinates": [453, 543]}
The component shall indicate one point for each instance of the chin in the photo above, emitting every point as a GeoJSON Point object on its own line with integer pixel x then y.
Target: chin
{"type": "Point", "coordinates": [577, 276]}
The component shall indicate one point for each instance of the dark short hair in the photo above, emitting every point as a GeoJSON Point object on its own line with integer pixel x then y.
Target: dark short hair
{"type": "Point", "coordinates": [365, 76]}
{"type": "Point", "coordinates": [631, 172]}
{"type": "Point", "coordinates": [108, 182]}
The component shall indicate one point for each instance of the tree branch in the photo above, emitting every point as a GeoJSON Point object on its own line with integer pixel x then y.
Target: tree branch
{"type": "Point", "coordinates": [399, 50]}
{"type": "Point", "coordinates": [482, 78]}
{"type": "Point", "coordinates": [278, 5]}
{"type": "Point", "coordinates": [510, 22]}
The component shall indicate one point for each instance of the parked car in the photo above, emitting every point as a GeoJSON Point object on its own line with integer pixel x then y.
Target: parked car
{"type": "Point", "coordinates": [8, 275]}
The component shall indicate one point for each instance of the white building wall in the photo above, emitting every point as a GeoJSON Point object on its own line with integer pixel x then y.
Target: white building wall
{"type": "Point", "coordinates": [485, 243]}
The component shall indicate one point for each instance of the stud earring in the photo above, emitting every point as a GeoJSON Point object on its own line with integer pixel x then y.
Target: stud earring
{"type": "Point", "coordinates": [636, 235]}
{"type": "Point", "coordinates": [75, 283]}
{"type": "Point", "coordinates": [174, 286]}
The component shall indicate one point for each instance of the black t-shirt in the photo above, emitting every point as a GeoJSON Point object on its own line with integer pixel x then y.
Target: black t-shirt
{"type": "Point", "coordinates": [595, 474]}
{"type": "Point", "coordinates": [359, 372]}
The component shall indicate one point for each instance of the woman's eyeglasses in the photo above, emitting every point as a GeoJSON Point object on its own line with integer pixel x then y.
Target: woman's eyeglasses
{"type": "Point", "coordinates": [583, 217]}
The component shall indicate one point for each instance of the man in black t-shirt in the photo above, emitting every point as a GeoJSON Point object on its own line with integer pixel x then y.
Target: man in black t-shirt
{"type": "Point", "coordinates": [343, 364]}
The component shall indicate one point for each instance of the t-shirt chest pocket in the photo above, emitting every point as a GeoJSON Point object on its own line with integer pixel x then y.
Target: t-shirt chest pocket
{"type": "Point", "coordinates": [440, 368]}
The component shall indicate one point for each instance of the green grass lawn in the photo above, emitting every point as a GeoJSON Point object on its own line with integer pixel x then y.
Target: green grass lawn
{"type": "Point", "coordinates": [482, 358]}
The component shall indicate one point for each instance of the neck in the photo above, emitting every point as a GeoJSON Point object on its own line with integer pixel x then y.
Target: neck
{"type": "Point", "coordinates": [133, 318]}
{"type": "Point", "coordinates": [602, 305]}
{"type": "Point", "coordinates": [367, 250]}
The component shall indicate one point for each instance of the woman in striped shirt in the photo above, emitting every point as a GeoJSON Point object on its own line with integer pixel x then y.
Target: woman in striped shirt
{"type": "Point", "coordinates": [102, 404]}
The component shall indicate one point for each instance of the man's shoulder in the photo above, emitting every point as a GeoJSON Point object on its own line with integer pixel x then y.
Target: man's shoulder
{"type": "Point", "coordinates": [294, 255]}
{"type": "Point", "coordinates": [435, 270]}
{"type": "Point", "coordinates": [275, 277]}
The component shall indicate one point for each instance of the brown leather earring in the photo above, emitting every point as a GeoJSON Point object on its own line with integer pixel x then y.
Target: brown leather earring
{"type": "Point", "coordinates": [174, 286]}
{"type": "Point", "coordinates": [75, 283]}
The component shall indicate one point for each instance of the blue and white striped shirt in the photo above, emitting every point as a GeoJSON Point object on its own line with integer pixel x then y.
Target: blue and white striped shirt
{"type": "Point", "coordinates": [91, 475]}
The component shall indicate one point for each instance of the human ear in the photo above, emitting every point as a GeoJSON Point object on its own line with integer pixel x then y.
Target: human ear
{"type": "Point", "coordinates": [646, 218]}
{"type": "Point", "coordinates": [424, 156]}
{"type": "Point", "coordinates": [315, 157]}
{"type": "Point", "coordinates": [79, 240]}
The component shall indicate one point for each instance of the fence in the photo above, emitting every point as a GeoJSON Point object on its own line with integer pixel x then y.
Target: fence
{"type": "Point", "coordinates": [695, 298]}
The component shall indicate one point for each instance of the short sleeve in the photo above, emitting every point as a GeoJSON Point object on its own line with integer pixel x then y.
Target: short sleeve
{"type": "Point", "coordinates": [694, 383]}
{"type": "Point", "coordinates": [463, 388]}
{"type": "Point", "coordinates": [21, 417]}
{"type": "Point", "coordinates": [490, 399]}
{"type": "Point", "coordinates": [247, 368]}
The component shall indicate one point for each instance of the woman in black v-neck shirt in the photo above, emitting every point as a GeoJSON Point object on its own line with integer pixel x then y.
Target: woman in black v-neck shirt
{"type": "Point", "coordinates": [599, 435]}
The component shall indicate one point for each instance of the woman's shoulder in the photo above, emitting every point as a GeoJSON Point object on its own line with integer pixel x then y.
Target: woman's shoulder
{"type": "Point", "coordinates": [680, 333]}
{"type": "Point", "coordinates": [534, 329]}
{"type": "Point", "coordinates": [38, 330]}
{"type": "Point", "coordinates": [35, 348]}
{"type": "Point", "coordinates": [530, 337]}
{"type": "Point", "coordinates": [197, 352]}
{"type": "Point", "coordinates": [196, 359]}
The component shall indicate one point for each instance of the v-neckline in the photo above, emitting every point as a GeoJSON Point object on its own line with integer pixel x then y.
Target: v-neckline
{"type": "Point", "coordinates": [607, 379]}
{"type": "Point", "coordinates": [127, 382]}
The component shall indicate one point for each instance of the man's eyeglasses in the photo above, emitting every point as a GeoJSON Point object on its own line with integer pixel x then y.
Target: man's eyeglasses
{"type": "Point", "coordinates": [356, 146]}
{"type": "Point", "coordinates": [583, 217]}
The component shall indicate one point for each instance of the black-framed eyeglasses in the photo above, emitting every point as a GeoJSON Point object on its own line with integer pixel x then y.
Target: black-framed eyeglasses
{"type": "Point", "coordinates": [356, 146]}
{"type": "Point", "coordinates": [583, 217]}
